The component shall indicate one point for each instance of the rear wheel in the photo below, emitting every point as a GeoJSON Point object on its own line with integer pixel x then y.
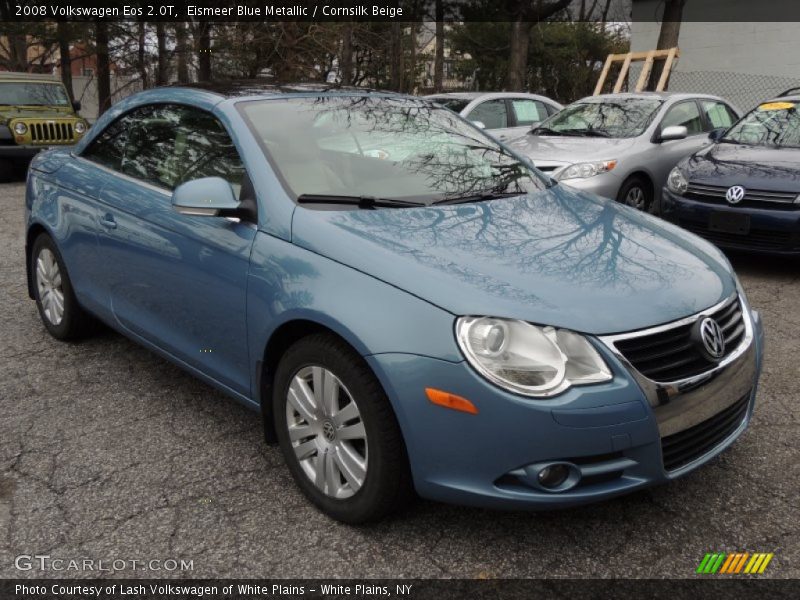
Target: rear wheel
{"type": "Point", "coordinates": [338, 433]}
{"type": "Point", "coordinates": [59, 310]}
{"type": "Point", "coordinates": [637, 192]}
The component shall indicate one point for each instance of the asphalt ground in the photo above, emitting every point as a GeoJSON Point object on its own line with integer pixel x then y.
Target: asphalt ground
{"type": "Point", "coordinates": [108, 452]}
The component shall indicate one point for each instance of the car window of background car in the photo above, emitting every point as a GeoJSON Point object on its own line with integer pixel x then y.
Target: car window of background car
{"type": "Point", "coordinates": [381, 147]}
{"type": "Point", "coordinates": [618, 118]}
{"type": "Point", "coordinates": [33, 94]}
{"type": "Point", "coordinates": [719, 114]}
{"type": "Point", "coordinates": [684, 114]}
{"type": "Point", "coordinates": [168, 145]}
{"type": "Point", "coordinates": [454, 104]}
{"type": "Point", "coordinates": [771, 124]}
{"type": "Point", "coordinates": [491, 113]}
{"type": "Point", "coordinates": [528, 112]}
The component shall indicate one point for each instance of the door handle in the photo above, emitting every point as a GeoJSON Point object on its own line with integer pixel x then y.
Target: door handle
{"type": "Point", "coordinates": [107, 221]}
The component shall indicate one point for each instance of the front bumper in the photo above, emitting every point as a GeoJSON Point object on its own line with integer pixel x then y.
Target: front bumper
{"type": "Point", "coordinates": [771, 231]}
{"type": "Point", "coordinates": [609, 430]}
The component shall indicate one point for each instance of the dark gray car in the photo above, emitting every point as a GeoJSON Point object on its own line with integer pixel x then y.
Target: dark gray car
{"type": "Point", "coordinates": [623, 146]}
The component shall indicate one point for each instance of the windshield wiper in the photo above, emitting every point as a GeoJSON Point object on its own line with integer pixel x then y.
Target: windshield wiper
{"type": "Point", "coordinates": [479, 197]}
{"type": "Point", "coordinates": [360, 201]}
{"type": "Point", "coordinates": [546, 131]}
{"type": "Point", "coordinates": [592, 133]}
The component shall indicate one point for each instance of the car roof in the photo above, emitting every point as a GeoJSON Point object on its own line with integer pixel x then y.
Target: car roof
{"type": "Point", "coordinates": [792, 98]}
{"type": "Point", "coordinates": [235, 88]}
{"type": "Point", "coordinates": [475, 95]}
{"type": "Point", "coordinates": [674, 96]}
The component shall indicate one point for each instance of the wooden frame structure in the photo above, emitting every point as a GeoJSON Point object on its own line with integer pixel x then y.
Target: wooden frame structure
{"type": "Point", "coordinates": [668, 56]}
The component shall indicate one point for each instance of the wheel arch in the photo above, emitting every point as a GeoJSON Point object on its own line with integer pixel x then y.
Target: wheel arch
{"type": "Point", "coordinates": [281, 338]}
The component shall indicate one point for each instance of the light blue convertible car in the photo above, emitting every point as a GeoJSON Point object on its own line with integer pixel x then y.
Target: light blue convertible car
{"type": "Point", "coordinates": [409, 305]}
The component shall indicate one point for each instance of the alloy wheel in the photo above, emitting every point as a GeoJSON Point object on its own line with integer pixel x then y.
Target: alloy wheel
{"type": "Point", "coordinates": [636, 198]}
{"type": "Point", "coordinates": [49, 285]}
{"type": "Point", "coordinates": [326, 432]}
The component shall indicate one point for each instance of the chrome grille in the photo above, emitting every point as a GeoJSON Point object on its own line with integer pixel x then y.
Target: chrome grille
{"type": "Point", "coordinates": [679, 449]}
{"type": "Point", "coordinates": [51, 132]}
{"type": "Point", "coordinates": [671, 354]}
{"type": "Point", "coordinates": [715, 194]}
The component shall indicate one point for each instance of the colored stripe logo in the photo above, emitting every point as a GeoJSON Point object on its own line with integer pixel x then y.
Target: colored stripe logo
{"type": "Point", "coordinates": [735, 563]}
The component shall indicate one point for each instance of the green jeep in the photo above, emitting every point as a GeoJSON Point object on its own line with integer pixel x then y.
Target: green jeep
{"type": "Point", "coordinates": [35, 114]}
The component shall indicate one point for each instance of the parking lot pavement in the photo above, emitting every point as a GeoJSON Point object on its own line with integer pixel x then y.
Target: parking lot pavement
{"type": "Point", "coordinates": [109, 452]}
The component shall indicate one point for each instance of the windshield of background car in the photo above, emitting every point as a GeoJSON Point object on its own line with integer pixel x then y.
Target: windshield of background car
{"type": "Point", "coordinates": [382, 147]}
{"type": "Point", "coordinates": [618, 118]}
{"type": "Point", "coordinates": [32, 94]}
{"type": "Point", "coordinates": [771, 124]}
{"type": "Point", "coordinates": [454, 104]}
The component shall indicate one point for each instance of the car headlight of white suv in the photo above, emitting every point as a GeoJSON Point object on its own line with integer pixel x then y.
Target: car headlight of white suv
{"type": "Point", "coordinates": [527, 359]}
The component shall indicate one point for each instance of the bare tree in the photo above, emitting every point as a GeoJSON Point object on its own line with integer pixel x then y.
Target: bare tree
{"type": "Point", "coordinates": [65, 57]}
{"type": "Point", "coordinates": [103, 66]}
{"type": "Point", "coordinates": [524, 14]}
{"type": "Point", "coordinates": [141, 55]}
{"type": "Point", "coordinates": [181, 51]}
{"type": "Point", "coordinates": [667, 37]}
{"type": "Point", "coordinates": [346, 62]}
{"type": "Point", "coordinates": [162, 59]}
{"type": "Point", "coordinates": [438, 59]}
{"type": "Point", "coordinates": [203, 44]}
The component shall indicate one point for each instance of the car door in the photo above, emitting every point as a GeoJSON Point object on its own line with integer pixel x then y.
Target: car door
{"type": "Point", "coordinates": [494, 116]}
{"type": "Point", "coordinates": [685, 113]}
{"type": "Point", "coordinates": [177, 281]}
{"type": "Point", "coordinates": [525, 113]}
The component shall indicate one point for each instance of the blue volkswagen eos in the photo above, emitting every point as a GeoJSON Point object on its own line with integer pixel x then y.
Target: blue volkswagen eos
{"type": "Point", "coordinates": [409, 305]}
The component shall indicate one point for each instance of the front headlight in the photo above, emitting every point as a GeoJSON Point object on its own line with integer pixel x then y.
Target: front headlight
{"type": "Point", "coordinates": [527, 359]}
{"type": "Point", "coordinates": [676, 182]}
{"type": "Point", "coordinates": [20, 128]}
{"type": "Point", "coordinates": [80, 127]}
{"type": "Point", "coordinates": [587, 169]}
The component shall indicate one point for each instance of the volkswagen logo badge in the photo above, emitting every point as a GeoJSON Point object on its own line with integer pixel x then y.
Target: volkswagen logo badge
{"type": "Point", "coordinates": [735, 194]}
{"type": "Point", "coordinates": [711, 340]}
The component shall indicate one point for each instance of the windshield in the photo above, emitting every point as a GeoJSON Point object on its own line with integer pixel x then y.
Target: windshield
{"type": "Point", "coordinates": [32, 94]}
{"type": "Point", "coordinates": [454, 104]}
{"type": "Point", "coordinates": [617, 118]}
{"type": "Point", "coordinates": [771, 124]}
{"type": "Point", "coordinates": [382, 147]}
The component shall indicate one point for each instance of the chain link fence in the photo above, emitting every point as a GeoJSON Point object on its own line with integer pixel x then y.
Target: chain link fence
{"type": "Point", "coordinates": [744, 90]}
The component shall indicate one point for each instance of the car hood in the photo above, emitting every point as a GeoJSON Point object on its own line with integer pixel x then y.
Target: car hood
{"type": "Point", "coordinates": [8, 113]}
{"type": "Point", "coordinates": [757, 167]}
{"type": "Point", "coordinates": [570, 149]}
{"type": "Point", "coordinates": [558, 257]}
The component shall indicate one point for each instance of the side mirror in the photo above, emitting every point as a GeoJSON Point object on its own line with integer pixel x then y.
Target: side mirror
{"type": "Point", "coordinates": [716, 134]}
{"type": "Point", "coordinates": [673, 132]}
{"type": "Point", "coordinates": [479, 124]}
{"type": "Point", "coordinates": [206, 197]}
{"type": "Point", "coordinates": [76, 105]}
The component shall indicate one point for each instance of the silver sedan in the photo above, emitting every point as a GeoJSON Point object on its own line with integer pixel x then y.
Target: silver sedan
{"type": "Point", "coordinates": [504, 115]}
{"type": "Point", "coordinates": [623, 146]}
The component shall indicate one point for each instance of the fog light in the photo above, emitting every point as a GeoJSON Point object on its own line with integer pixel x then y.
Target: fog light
{"type": "Point", "coordinates": [553, 476]}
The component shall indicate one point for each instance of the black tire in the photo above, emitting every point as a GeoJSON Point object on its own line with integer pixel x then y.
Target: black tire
{"type": "Point", "coordinates": [387, 485]}
{"type": "Point", "coordinates": [76, 323]}
{"type": "Point", "coordinates": [6, 170]}
{"type": "Point", "coordinates": [636, 192]}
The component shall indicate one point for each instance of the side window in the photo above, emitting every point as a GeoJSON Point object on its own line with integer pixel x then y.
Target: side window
{"type": "Point", "coordinates": [719, 114]}
{"type": "Point", "coordinates": [528, 112]}
{"type": "Point", "coordinates": [686, 114]}
{"type": "Point", "coordinates": [108, 148]}
{"type": "Point", "coordinates": [491, 113]}
{"type": "Point", "coordinates": [166, 145]}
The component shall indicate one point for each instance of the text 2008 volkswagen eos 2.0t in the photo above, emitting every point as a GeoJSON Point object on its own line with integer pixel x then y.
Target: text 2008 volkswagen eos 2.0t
{"type": "Point", "coordinates": [408, 304]}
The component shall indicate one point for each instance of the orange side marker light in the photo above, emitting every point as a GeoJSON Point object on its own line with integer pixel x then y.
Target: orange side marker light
{"type": "Point", "coordinates": [449, 400]}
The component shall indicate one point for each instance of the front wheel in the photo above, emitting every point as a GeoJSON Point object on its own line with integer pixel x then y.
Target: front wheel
{"type": "Point", "coordinates": [636, 192]}
{"type": "Point", "coordinates": [338, 433]}
{"type": "Point", "coordinates": [60, 312]}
